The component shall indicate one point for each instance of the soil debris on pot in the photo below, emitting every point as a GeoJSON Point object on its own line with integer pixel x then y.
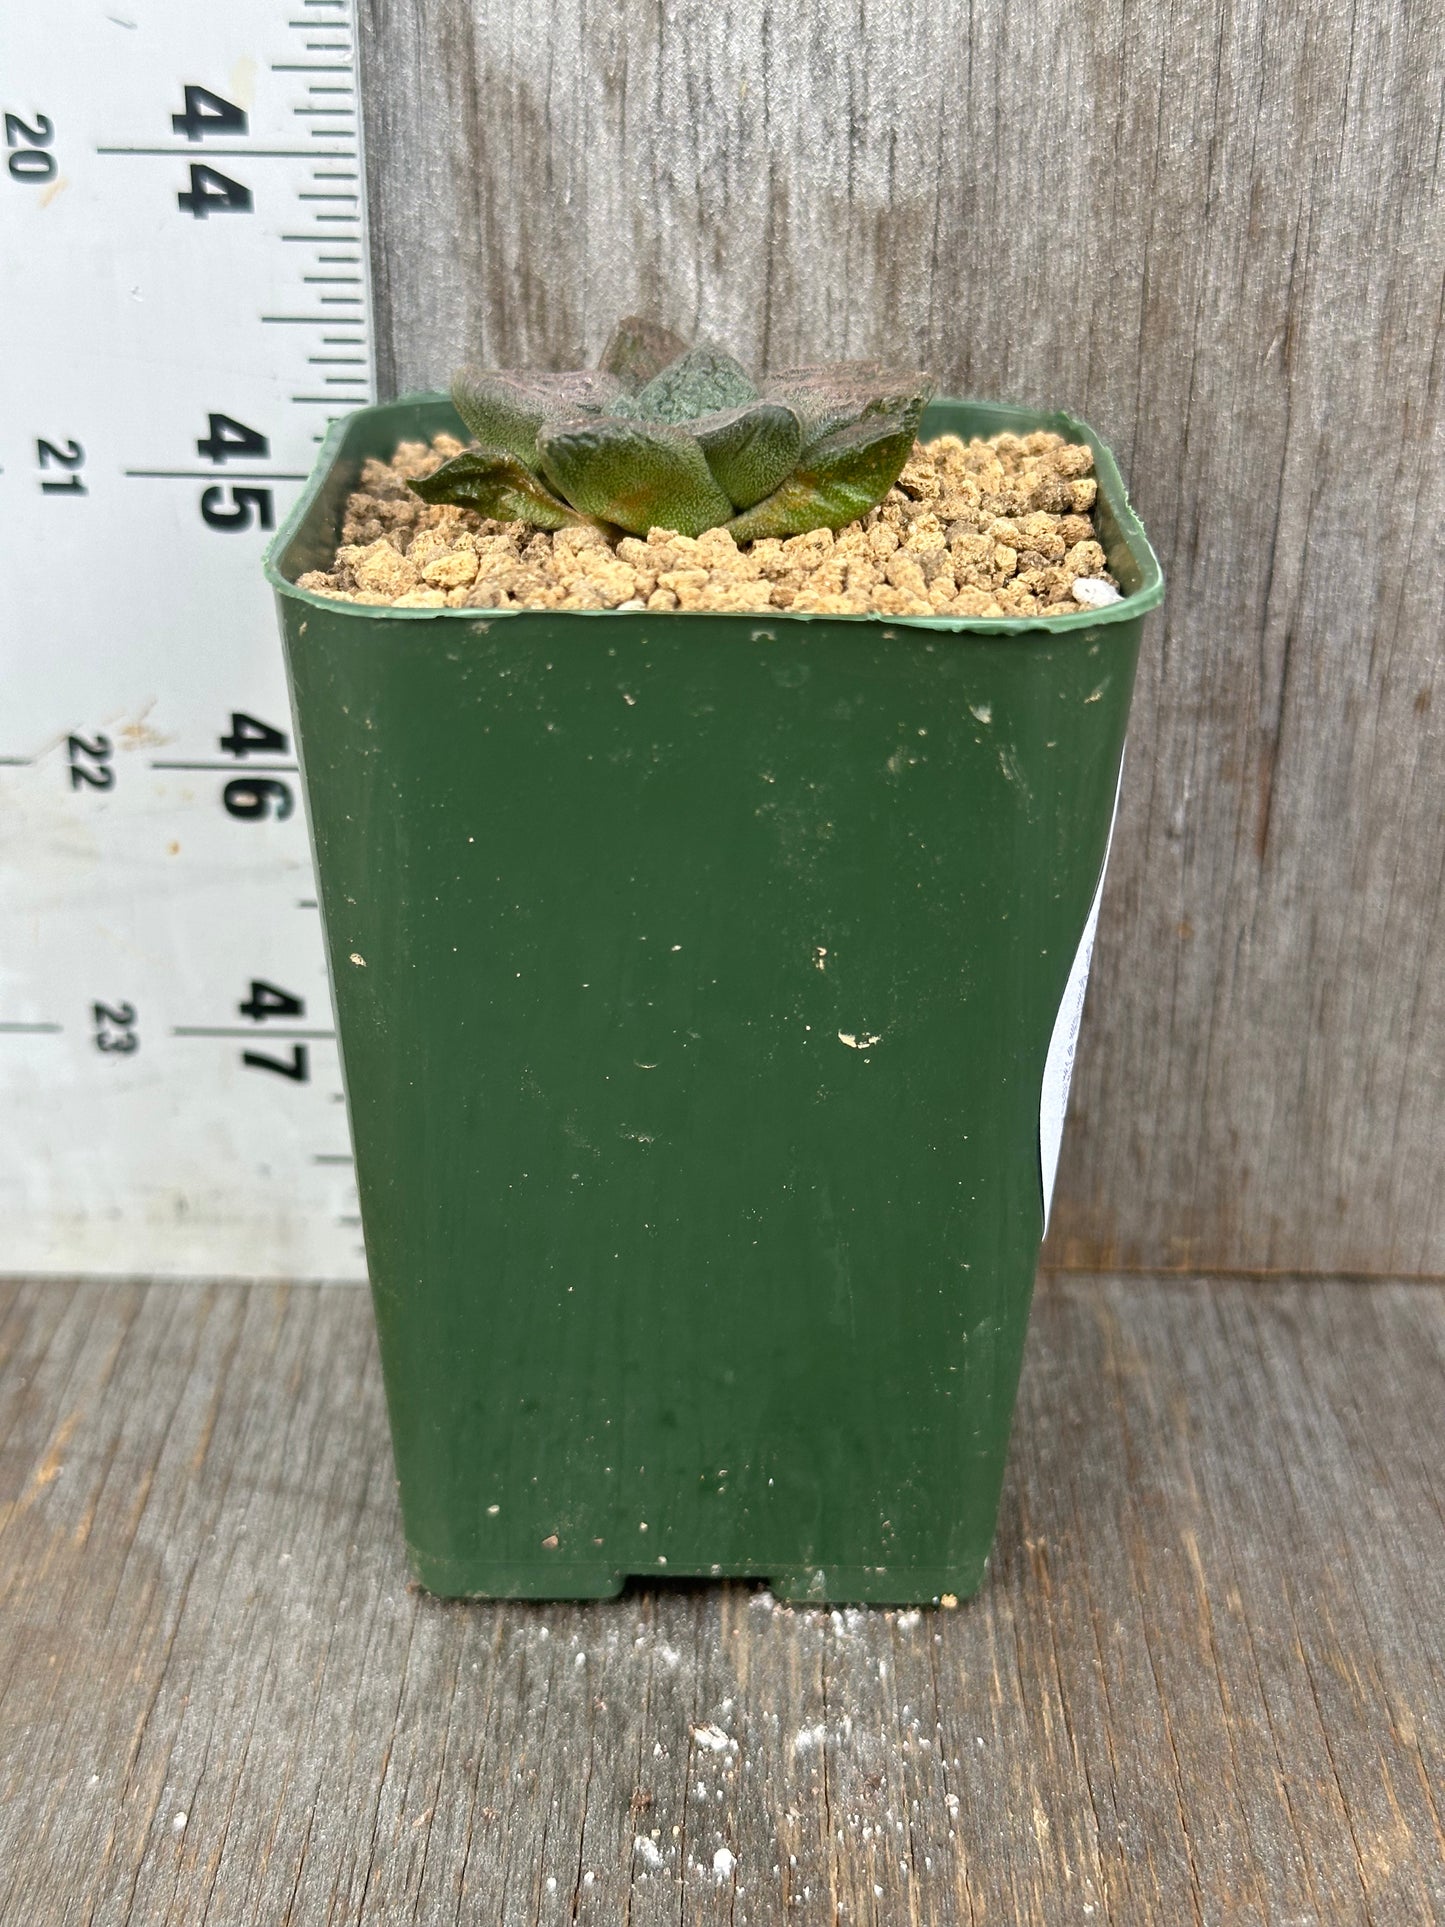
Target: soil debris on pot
{"type": "Point", "coordinates": [1002, 527]}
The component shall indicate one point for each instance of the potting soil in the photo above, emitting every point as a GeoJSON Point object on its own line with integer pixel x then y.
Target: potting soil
{"type": "Point", "coordinates": [1001, 527]}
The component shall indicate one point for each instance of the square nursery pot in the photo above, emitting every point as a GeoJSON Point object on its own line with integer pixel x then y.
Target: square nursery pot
{"type": "Point", "coordinates": [707, 988]}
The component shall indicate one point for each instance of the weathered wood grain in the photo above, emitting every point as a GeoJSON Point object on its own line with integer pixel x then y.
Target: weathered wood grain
{"type": "Point", "coordinates": [1205, 1681]}
{"type": "Point", "coordinates": [1215, 230]}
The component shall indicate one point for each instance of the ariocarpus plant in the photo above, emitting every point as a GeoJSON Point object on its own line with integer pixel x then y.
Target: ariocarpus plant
{"type": "Point", "coordinates": [663, 435]}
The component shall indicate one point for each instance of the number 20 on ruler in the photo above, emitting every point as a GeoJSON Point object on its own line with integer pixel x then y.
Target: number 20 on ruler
{"type": "Point", "coordinates": [30, 159]}
{"type": "Point", "coordinates": [30, 156]}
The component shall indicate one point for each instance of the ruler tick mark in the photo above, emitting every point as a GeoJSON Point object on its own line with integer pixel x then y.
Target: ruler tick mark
{"type": "Point", "coordinates": [207, 475]}
{"type": "Point", "coordinates": [239, 153]}
{"type": "Point", "coordinates": [280, 1213]}
{"type": "Point", "coordinates": [244, 1030]}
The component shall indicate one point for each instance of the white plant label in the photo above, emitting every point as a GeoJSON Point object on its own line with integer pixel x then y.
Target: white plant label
{"type": "Point", "coordinates": [1059, 1064]}
{"type": "Point", "coordinates": [182, 208]}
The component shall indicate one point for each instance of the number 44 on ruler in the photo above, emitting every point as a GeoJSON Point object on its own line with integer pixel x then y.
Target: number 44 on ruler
{"type": "Point", "coordinates": [183, 196]}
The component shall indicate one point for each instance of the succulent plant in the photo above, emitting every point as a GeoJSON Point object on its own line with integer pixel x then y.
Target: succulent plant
{"type": "Point", "coordinates": [663, 435]}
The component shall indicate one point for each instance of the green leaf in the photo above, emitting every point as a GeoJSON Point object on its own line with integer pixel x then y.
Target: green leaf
{"type": "Point", "coordinates": [505, 411]}
{"type": "Point", "coordinates": [494, 482]}
{"type": "Point", "coordinates": [837, 480]}
{"type": "Point", "coordinates": [751, 449]}
{"type": "Point", "coordinates": [700, 382]}
{"type": "Point", "coordinates": [640, 349]}
{"type": "Point", "coordinates": [640, 475]}
{"type": "Point", "coordinates": [829, 395]}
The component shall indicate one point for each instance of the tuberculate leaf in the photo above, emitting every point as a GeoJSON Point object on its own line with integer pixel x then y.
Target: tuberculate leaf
{"type": "Point", "coordinates": [750, 449]}
{"type": "Point", "coordinates": [831, 394]}
{"type": "Point", "coordinates": [638, 474]}
{"type": "Point", "coordinates": [700, 382]}
{"type": "Point", "coordinates": [496, 483]}
{"type": "Point", "coordinates": [505, 411]}
{"type": "Point", "coordinates": [639, 349]}
{"type": "Point", "coordinates": [836, 480]}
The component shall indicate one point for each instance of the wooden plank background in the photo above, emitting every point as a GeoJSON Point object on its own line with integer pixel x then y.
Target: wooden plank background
{"type": "Point", "coordinates": [1213, 228]}
{"type": "Point", "coordinates": [1204, 1683]}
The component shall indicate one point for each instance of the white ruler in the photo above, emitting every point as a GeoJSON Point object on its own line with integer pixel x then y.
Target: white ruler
{"type": "Point", "coordinates": [182, 227]}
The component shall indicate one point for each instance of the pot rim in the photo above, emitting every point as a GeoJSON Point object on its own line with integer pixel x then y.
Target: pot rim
{"type": "Point", "coordinates": [1146, 594]}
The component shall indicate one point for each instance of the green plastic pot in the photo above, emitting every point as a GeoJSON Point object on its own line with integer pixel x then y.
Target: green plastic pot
{"type": "Point", "coordinates": [695, 978]}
